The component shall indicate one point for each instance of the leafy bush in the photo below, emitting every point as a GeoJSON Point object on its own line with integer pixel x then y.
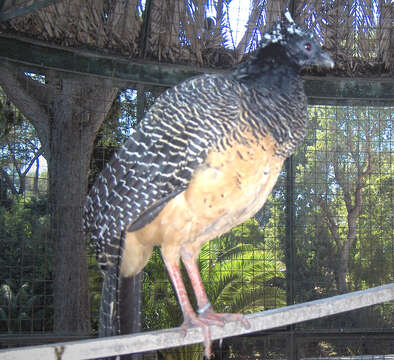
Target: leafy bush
{"type": "Point", "coordinates": [25, 267]}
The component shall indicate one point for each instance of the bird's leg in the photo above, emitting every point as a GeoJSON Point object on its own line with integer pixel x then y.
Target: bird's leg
{"type": "Point", "coordinates": [189, 315]}
{"type": "Point", "coordinates": [205, 310]}
{"type": "Point", "coordinates": [176, 279]}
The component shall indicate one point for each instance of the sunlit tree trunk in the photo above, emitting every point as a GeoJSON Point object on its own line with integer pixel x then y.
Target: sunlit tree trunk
{"type": "Point", "coordinates": [66, 115]}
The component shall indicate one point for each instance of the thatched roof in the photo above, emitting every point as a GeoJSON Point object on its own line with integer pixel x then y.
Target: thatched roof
{"type": "Point", "coordinates": [359, 34]}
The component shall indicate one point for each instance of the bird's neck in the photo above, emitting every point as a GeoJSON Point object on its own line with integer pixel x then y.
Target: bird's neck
{"type": "Point", "coordinates": [277, 86]}
{"type": "Point", "coordinates": [274, 75]}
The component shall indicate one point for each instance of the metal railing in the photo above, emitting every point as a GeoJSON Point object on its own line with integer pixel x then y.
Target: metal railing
{"type": "Point", "coordinates": [161, 339]}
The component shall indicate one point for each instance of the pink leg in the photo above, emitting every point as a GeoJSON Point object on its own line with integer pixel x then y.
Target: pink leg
{"type": "Point", "coordinates": [196, 281]}
{"type": "Point", "coordinates": [176, 279]}
{"type": "Point", "coordinates": [189, 315]}
{"type": "Point", "coordinates": [206, 312]}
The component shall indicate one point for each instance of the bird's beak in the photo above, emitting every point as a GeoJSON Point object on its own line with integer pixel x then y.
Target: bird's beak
{"type": "Point", "coordinates": [325, 60]}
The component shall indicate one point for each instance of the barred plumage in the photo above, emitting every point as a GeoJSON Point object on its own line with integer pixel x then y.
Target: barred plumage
{"type": "Point", "coordinates": [158, 160]}
{"type": "Point", "coordinates": [163, 185]}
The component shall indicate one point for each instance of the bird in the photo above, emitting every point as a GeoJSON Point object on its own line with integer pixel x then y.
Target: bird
{"type": "Point", "coordinates": [204, 159]}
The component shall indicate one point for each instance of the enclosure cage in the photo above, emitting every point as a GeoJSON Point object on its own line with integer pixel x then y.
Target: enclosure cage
{"type": "Point", "coordinates": [76, 77]}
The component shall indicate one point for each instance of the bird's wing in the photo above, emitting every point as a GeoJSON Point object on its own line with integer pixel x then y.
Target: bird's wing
{"type": "Point", "coordinates": [159, 159]}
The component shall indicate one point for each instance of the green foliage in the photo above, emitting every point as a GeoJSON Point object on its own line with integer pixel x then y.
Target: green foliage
{"type": "Point", "coordinates": [20, 149]}
{"type": "Point", "coordinates": [9, 116]}
{"type": "Point", "coordinates": [16, 307]}
{"type": "Point", "coordinates": [25, 266]}
{"type": "Point", "coordinates": [239, 270]}
{"type": "Point", "coordinates": [347, 148]}
{"type": "Point", "coordinates": [95, 285]}
{"type": "Point", "coordinates": [161, 309]}
{"type": "Point", "coordinates": [371, 263]}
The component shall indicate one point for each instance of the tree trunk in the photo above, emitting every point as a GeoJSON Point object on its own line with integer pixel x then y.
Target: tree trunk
{"type": "Point", "coordinates": [67, 168]}
{"type": "Point", "coordinates": [66, 115]}
{"type": "Point", "coordinates": [341, 272]}
{"type": "Point", "coordinates": [71, 301]}
{"type": "Point", "coordinates": [70, 144]}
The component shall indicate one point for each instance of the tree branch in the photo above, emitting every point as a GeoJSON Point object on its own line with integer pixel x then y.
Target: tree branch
{"type": "Point", "coordinates": [29, 97]}
{"type": "Point", "coordinates": [32, 161]}
{"type": "Point", "coordinates": [341, 179]}
{"type": "Point", "coordinates": [331, 223]}
{"type": "Point", "coordinates": [13, 157]}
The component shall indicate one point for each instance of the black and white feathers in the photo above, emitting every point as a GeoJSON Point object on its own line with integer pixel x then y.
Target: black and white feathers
{"type": "Point", "coordinates": [265, 95]}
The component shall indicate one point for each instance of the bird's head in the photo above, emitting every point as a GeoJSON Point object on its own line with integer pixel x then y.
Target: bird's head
{"type": "Point", "coordinates": [286, 44]}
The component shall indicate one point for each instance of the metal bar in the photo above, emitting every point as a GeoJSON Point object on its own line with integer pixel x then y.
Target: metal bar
{"type": "Point", "coordinates": [149, 341]}
{"type": "Point", "coordinates": [349, 91]}
{"type": "Point", "coordinates": [290, 220]}
{"type": "Point", "coordinates": [25, 10]}
{"type": "Point", "coordinates": [290, 249]}
{"type": "Point", "coordinates": [290, 213]}
{"type": "Point", "coordinates": [39, 57]}
{"type": "Point", "coordinates": [290, 246]}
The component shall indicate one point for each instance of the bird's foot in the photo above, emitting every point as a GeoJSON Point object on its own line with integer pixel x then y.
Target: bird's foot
{"type": "Point", "coordinates": [221, 318]}
{"type": "Point", "coordinates": [193, 320]}
{"type": "Point", "coordinates": [207, 318]}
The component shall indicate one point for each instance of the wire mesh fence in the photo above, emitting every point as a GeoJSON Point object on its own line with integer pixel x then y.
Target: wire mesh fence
{"type": "Point", "coordinates": [327, 228]}
{"type": "Point", "coordinates": [347, 149]}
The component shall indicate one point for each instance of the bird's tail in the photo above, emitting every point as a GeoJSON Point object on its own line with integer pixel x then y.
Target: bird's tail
{"type": "Point", "coordinates": [109, 323]}
{"type": "Point", "coordinates": [109, 318]}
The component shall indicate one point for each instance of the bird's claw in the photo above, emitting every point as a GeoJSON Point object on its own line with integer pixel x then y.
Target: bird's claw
{"type": "Point", "coordinates": [204, 325]}
{"type": "Point", "coordinates": [208, 318]}
{"type": "Point", "coordinates": [221, 318]}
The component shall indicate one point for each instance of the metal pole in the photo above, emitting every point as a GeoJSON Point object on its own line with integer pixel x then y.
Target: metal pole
{"type": "Point", "coordinates": [290, 222]}
{"type": "Point", "coordinates": [163, 339]}
{"type": "Point", "coordinates": [290, 214]}
{"type": "Point", "coordinates": [290, 249]}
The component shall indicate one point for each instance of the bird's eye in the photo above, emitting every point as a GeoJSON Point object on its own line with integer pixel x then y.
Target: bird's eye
{"type": "Point", "coordinates": [308, 46]}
